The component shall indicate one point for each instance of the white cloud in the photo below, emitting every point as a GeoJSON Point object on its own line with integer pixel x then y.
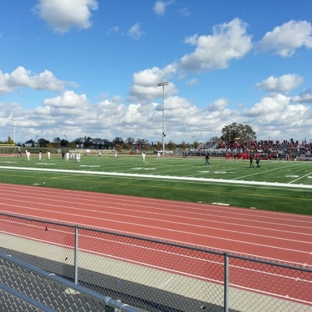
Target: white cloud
{"type": "Point", "coordinates": [304, 97]}
{"type": "Point", "coordinates": [192, 82]}
{"type": "Point", "coordinates": [135, 31]}
{"type": "Point", "coordinates": [73, 114]}
{"type": "Point", "coordinates": [218, 105]}
{"type": "Point", "coordinates": [275, 117]}
{"type": "Point", "coordinates": [160, 7]}
{"type": "Point", "coordinates": [113, 30]}
{"type": "Point", "coordinates": [269, 108]}
{"type": "Point", "coordinates": [284, 40]}
{"type": "Point", "coordinates": [69, 99]}
{"type": "Point", "coordinates": [282, 84]}
{"type": "Point", "coordinates": [62, 15]}
{"type": "Point", "coordinates": [229, 41]}
{"type": "Point", "coordinates": [144, 87]}
{"type": "Point", "coordinates": [21, 77]}
{"type": "Point", "coordinates": [277, 111]}
{"type": "Point", "coordinates": [185, 12]}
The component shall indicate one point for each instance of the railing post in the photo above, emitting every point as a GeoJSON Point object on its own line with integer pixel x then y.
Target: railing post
{"type": "Point", "coordinates": [76, 255]}
{"type": "Point", "coordinates": [226, 283]}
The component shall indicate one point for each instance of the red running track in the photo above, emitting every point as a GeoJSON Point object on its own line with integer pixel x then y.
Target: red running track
{"type": "Point", "coordinates": [268, 235]}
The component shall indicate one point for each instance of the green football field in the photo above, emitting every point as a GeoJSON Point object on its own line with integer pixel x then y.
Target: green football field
{"type": "Point", "coordinates": [277, 185]}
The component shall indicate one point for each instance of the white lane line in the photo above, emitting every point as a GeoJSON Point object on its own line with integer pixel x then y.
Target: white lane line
{"type": "Point", "coordinates": [139, 225]}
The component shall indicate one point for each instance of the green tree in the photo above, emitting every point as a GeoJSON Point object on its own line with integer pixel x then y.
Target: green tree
{"type": "Point", "coordinates": [88, 142]}
{"type": "Point", "coordinates": [43, 142]}
{"type": "Point", "coordinates": [118, 141]}
{"type": "Point", "coordinates": [171, 146]}
{"type": "Point", "coordinates": [79, 141]}
{"type": "Point", "coordinates": [183, 146]}
{"type": "Point", "coordinates": [107, 144]}
{"type": "Point", "coordinates": [10, 141]}
{"type": "Point", "coordinates": [159, 146]}
{"type": "Point", "coordinates": [141, 144]}
{"type": "Point", "coordinates": [237, 132]}
{"type": "Point", "coordinates": [130, 140]}
{"type": "Point", "coordinates": [64, 143]}
{"type": "Point", "coordinates": [195, 145]}
{"type": "Point", "coordinates": [31, 141]}
{"type": "Point", "coordinates": [97, 142]}
{"type": "Point", "coordinates": [57, 142]}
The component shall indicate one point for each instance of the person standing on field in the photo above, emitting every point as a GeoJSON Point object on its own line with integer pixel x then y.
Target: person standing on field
{"type": "Point", "coordinates": [207, 159]}
{"type": "Point", "coordinates": [251, 160]}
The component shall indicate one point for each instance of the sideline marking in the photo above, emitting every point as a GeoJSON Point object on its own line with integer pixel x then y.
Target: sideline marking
{"type": "Point", "coordinates": [174, 178]}
{"type": "Point", "coordinates": [140, 168]}
{"type": "Point", "coordinates": [46, 164]}
{"type": "Point", "coordinates": [221, 204]}
{"type": "Point", "coordinates": [8, 162]}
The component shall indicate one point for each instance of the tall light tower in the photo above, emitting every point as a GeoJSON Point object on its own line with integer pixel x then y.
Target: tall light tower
{"type": "Point", "coordinates": [163, 84]}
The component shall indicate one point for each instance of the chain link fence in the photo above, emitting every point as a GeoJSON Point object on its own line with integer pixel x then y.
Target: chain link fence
{"type": "Point", "coordinates": [153, 275]}
{"type": "Point", "coordinates": [24, 287]}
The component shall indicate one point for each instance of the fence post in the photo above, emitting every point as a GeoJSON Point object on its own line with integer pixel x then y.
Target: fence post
{"type": "Point", "coordinates": [226, 282]}
{"type": "Point", "coordinates": [76, 254]}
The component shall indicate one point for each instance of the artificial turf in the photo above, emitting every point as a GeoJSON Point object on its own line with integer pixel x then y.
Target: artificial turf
{"type": "Point", "coordinates": [141, 181]}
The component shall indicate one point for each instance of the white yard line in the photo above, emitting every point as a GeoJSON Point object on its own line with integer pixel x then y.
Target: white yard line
{"type": "Point", "coordinates": [261, 172]}
{"type": "Point", "coordinates": [300, 178]}
{"type": "Point", "coordinates": [175, 178]}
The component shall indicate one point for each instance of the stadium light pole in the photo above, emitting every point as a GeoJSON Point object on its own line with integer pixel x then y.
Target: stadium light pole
{"type": "Point", "coordinates": [163, 84]}
{"type": "Point", "coordinates": [14, 133]}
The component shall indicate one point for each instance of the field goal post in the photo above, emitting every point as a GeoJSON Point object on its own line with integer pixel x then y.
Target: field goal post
{"type": "Point", "coordinates": [9, 149]}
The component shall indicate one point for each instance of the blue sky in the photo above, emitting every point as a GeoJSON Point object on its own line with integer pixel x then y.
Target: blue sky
{"type": "Point", "coordinates": [91, 68]}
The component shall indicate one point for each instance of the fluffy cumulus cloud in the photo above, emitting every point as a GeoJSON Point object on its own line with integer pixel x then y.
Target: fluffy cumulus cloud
{"type": "Point", "coordinates": [135, 31]}
{"type": "Point", "coordinates": [160, 7]}
{"type": "Point", "coordinates": [62, 15]}
{"type": "Point", "coordinates": [21, 77]}
{"type": "Point", "coordinates": [282, 84]}
{"type": "Point", "coordinates": [73, 114]}
{"type": "Point", "coordinates": [276, 112]}
{"type": "Point", "coordinates": [269, 108]}
{"type": "Point", "coordinates": [229, 41]}
{"type": "Point", "coordinates": [218, 105]}
{"type": "Point", "coordinates": [69, 99]}
{"type": "Point", "coordinates": [304, 97]}
{"type": "Point", "coordinates": [144, 87]}
{"type": "Point", "coordinates": [284, 40]}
